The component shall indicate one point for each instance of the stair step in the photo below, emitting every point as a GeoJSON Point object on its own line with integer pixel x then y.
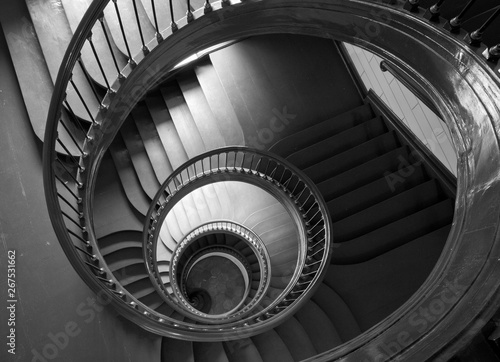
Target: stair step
{"type": "Point", "coordinates": [74, 10]}
{"type": "Point", "coordinates": [322, 130]}
{"type": "Point", "coordinates": [152, 300]}
{"type": "Point", "coordinates": [209, 352]}
{"type": "Point", "coordinates": [139, 157]}
{"type": "Point", "coordinates": [166, 238]}
{"type": "Point", "coordinates": [163, 254]}
{"type": "Point", "coordinates": [220, 104]}
{"type": "Point", "coordinates": [124, 258]}
{"type": "Point", "coordinates": [201, 112]}
{"type": "Point", "coordinates": [166, 130]}
{"type": "Point", "coordinates": [183, 120]}
{"type": "Point", "coordinates": [112, 210]}
{"type": "Point", "coordinates": [152, 142]}
{"type": "Point", "coordinates": [352, 158]}
{"type": "Point", "coordinates": [128, 177]}
{"type": "Point", "coordinates": [128, 17]}
{"type": "Point", "coordinates": [124, 239]}
{"type": "Point", "coordinates": [394, 235]}
{"type": "Point", "coordinates": [375, 192]}
{"type": "Point", "coordinates": [141, 288]}
{"type": "Point", "coordinates": [177, 350]}
{"type": "Point", "coordinates": [270, 345]}
{"type": "Point", "coordinates": [388, 280]}
{"type": "Point", "coordinates": [338, 143]}
{"type": "Point", "coordinates": [131, 273]}
{"type": "Point", "coordinates": [31, 70]}
{"type": "Point", "coordinates": [49, 19]}
{"type": "Point", "coordinates": [362, 174]}
{"type": "Point", "coordinates": [387, 211]}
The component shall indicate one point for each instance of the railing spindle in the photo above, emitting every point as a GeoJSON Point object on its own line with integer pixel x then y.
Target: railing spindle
{"type": "Point", "coordinates": [159, 38]}
{"type": "Point", "coordinates": [80, 214]}
{"type": "Point", "coordinates": [208, 7]}
{"type": "Point", "coordinates": [83, 102]}
{"type": "Point", "coordinates": [476, 37]}
{"type": "Point", "coordinates": [120, 22]}
{"type": "Point", "coordinates": [78, 199]}
{"type": "Point", "coordinates": [145, 49]}
{"type": "Point", "coordinates": [73, 159]}
{"type": "Point", "coordinates": [108, 41]}
{"type": "Point", "coordinates": [76, 119]}
{"type": "Point", "coordinates": [433, 13]}
{"type": "Point", "coordinates": [79, 184]}
{"type": "Point", "coordinates": [189, 13]}
{"type": "Point", "coordinates": [173, 25]}
{"type": "Point", "coordinates": [492, 54]}
{"type": "Point", "coordinates": [98, 60]}
{"type": "Point", "coordinates": [455, 24]}
{"type": "Point", "coordinates": [412, 5]}
{"type": "Point", "coordinates": [89, 81]}
{"type": "Point", "coordinates": [72, 137]}
{"type": "Point", "coordinates": [73, 221]}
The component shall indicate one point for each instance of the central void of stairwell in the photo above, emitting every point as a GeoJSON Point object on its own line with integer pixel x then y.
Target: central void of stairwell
{"type": "Point", "coordinates": [235, 236]}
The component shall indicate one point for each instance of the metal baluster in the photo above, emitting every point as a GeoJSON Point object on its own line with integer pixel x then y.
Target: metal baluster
{"type": "Point", "coordinates": [117, 10]}
{"type": "Point", "coordinates": [89, 39]}
{"type": "Point", "coordinates": [80, 214]}
{"type": "Point", "coordinates": [76, 119]}
{"type": "Point", "coordinates": [100, 270]}
{"type": "Point", "coordinates": [454, 24]}
{"type": "Point", "coordinates": [77, 236]}
{"type": "Point", "coordinates": [94, 257]}
{"type": "Point", "coordinates": [173, 25]}
{"type": "Point", "coordinates": [89, 81]}
{"type": "Point", "coordinates": [189, 14]}
{"type": "Point", "coordinates": [159, 38]}
{"type": "Point", "coordinates": [432, 14]}
{"type": "Point", "coordinates": [74, 222]}
{"type": "Point", "coordinates": [492, 54]}
{"type": "Point", "coordinates": [79, 184]}
{"type": "Point", "coordinates": [78, 199]}
{"type": "Point", "coordinates": [73, 159]}
{"type": "Point", "coordinates": [83, 102]}
{"type": "Point", "coordinates": [412, 5]}
{"type": "Point", "coordinates": [72, 138]}
{"type": "Point", "coordinates": [208, 7]}
{"type": "Point", "coordinates": [101, 20]}
{"type": "Point", "coordinates": [476, 37]}
{"type": "Point", "coordinates": [145, 49]}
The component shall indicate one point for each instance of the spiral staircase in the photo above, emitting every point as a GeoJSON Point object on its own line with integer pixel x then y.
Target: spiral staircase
{"type": "Point", "coordinates": [303, 249]}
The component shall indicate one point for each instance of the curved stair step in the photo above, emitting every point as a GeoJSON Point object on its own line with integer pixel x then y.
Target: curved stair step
{"type": "Point", "coordinates": [388, 280]}
{"type": "Point", "coordinates": [353, 157]}
{"type": "Point", "coordinates": [128, 17]}
{"type": "Point", "coordinates": [387, 211]}
{"type": "Point", "coordinates": [123, 258]}
{"type": "Point", "coordinates": [388, 237]}
{"type": "Point", "coordinates": [338, 143]}
{"type": "Point", "coordinates": [219, 103]}
{"type": "Point", "coordinates": [322, 130]}
{"type": "Point", "coordinates": [152, 142]}
{"type": "Point", "coordinates": [376, 191]}
{"type": "Point", "coordinates": [112, 210]}
{"type": "Point", "coordinates": [183, 120]}
{"type": "Point", "coordinates": [128, 176]}
{"type": "Point", "coordinates": [270, 345]}
{"type": "Point", "coordinates": [74, 10]}
{"type": "Point", "coordinates": [54, 34]}
{"type": "Point", "coordinates": [113, 242]}
{"type": "Point", "coordinates": [176, 350]}
{"type": "Point", "coordinates": [166, 130]}
{"type": "Point", "coordinates": [209, 352]}
{"type": "Point", "coordinates": [200, 110]}
{"type": "Point", "coordinates": [139, 157]}
{"type": "Point", "coordinates": [362, 174]}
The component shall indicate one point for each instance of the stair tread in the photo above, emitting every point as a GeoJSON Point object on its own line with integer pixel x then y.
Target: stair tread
{"type": "Point", "coordinates": [166, 130]}
{"type": "Point", "coordinates": [387, 211]}
{"type": "Point", "coordinates": [220, 104]}
{"type": "Point", "coordinates": [183, 120]}
{"type": "Point", "coordinates": [139, 157]}
{"type": "Point", "coordinates": [351, 158]}
{"type": "Point", "coordinates": [152, 142]}
{"type": "Point", "coordinates": [130, 27]}
{"type": "Point", "coordinates": [322, 130]}
{"type": "Point", "coordinates": [112, 211]}
{"type": "Point", "coordinates": [128, 176]}
{"type": "Point", "coordinates": [362, 174]}
{"type": "Point", "coordinates": [49, 19]}
{"type": "Point", "coordinates": [338, 143]}
{"type": "Point", "coordinates": [31, 70]}
{"type": "Point", "coordinates": [391, 236]}
{"type": "Point", "coordinates": [374, 192]}
{"type": "Point", "coordinates": [201, 112]}
{"type": "Point", "coordinates": [74, 10]}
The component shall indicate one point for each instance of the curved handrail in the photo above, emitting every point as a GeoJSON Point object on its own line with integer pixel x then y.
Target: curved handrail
{"type": "Point", "coordinates": [475, 125]}
{"type": "Point", "coordinates": [249, 237]}
{"type": "Point", "coordinates": [288, 185]}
